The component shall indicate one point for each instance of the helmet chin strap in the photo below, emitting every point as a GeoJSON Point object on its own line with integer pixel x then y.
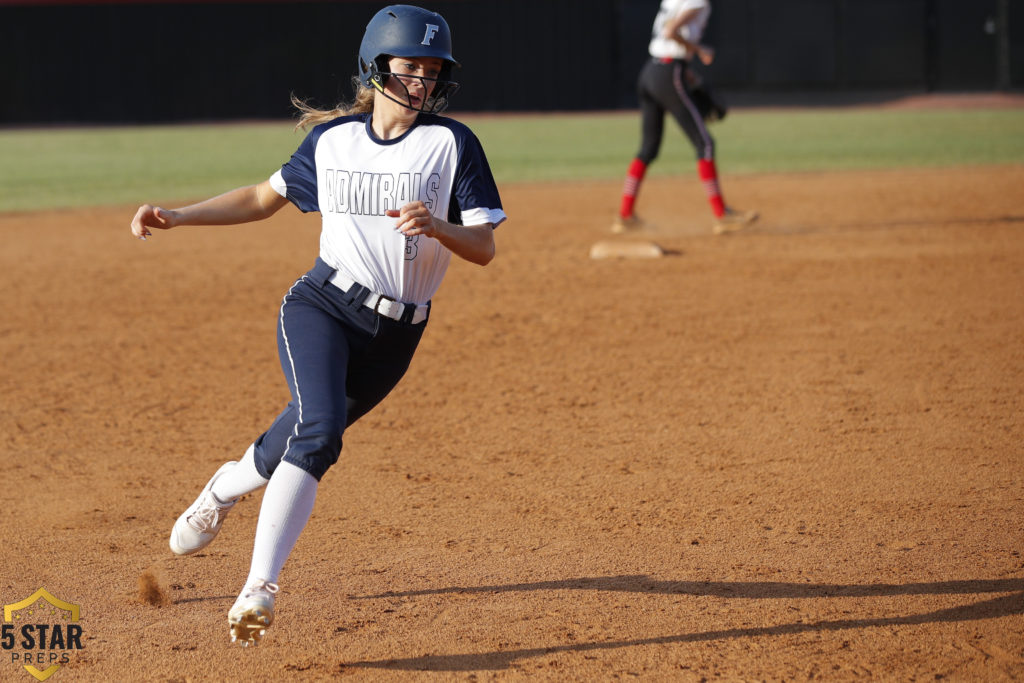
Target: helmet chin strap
{"type": "Point", "coordinates": [436, 105]}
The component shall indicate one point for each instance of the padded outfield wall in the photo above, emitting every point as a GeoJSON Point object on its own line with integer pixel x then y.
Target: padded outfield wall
{"type": "Point", "coordinates": [131, 61]}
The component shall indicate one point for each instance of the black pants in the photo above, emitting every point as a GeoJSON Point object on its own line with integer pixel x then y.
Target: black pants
{"type": "Point", "coordinates": [662, 87]}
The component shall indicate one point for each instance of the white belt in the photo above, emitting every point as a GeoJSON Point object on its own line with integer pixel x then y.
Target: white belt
{"type": "Point", "coordinates": [383, 305]}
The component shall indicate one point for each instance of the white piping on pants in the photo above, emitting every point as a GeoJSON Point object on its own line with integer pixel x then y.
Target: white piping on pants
{"type": "Point", "coordinates": [677, 82]}
{"type": "Point", "coordinates": [291, 361]}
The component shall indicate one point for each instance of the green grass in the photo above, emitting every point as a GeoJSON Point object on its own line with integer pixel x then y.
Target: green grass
{"type": "Point", "coordinates": [67, 167]}
{"type": "Point", "coordinates": [600, 146]}
{"type": "Point", "coordinates": [809, 141]}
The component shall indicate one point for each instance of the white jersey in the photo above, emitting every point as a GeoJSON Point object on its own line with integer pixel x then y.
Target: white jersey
{"type": "Point", "coordinates": [666, 48]}
{"type": "Point", "coordinates": [351, 177]}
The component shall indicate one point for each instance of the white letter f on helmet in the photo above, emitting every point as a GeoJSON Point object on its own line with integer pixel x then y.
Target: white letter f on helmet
{"type": "Point", "coordinates": [429, 35]}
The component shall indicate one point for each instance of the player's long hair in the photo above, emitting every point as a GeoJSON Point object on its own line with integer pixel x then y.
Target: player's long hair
{"type": "Point", "coordinates": [310, 116]}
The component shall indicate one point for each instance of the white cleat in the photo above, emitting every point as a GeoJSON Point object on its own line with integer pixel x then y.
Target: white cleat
{"type": "Point", "coordinates": [623, 224]}
{"type": "Point", "coordinates": [200, 523]}
{"type": "Point", "coordinates": [252, 614]}
{"type": "Point", "coordinates": [733, 221]}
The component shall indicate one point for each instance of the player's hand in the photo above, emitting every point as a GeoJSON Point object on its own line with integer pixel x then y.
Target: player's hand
{"type": "Point", "coordinates": [414, 219]}
{"type": "Point", "coordinates": [706, 54]}
{"type": "Point", "coordinates": [152, 217]}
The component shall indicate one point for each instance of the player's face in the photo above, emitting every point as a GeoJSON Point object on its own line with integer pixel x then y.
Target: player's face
{"type": "Point", "coordinates": [412, 82]}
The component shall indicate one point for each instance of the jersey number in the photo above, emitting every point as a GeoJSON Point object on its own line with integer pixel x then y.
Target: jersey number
{"type": "Point", "coordinates": [410, 247]}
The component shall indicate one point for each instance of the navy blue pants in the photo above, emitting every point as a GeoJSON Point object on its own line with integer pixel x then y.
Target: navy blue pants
{"type": "Point", "coordinates": [340, 360]}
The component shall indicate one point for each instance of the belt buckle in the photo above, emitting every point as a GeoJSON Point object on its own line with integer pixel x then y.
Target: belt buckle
{"type": "Point", "coordinates": [388, 313]}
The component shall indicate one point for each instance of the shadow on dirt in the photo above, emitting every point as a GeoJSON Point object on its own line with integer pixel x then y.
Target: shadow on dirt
{"type": "Point", "coordinates": [986, 609]}
{"type": "Point", "coordinates": [641, 583]}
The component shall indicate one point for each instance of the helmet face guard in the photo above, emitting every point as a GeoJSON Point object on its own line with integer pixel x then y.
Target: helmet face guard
{"type": "Point", "coordinates": [435, 104]}
{"type": "Point", "coordinates": [407, 31]}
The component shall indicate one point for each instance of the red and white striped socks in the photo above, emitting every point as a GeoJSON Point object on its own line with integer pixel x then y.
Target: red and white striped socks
{"type": "Point", "coordinates": [630, 188]}
{"type": "Point", "coordinates": [705, 169]}
{"type": "Point", "coordinates": [709, 177]}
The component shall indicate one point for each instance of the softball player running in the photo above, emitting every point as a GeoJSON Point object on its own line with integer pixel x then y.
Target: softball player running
{"type": "Point", "coordinates": [665, 86]}
{"type": "Point", "coordinates": [399, 189]}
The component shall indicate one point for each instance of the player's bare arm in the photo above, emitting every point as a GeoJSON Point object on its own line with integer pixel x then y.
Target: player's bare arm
{"type": "Point", "coordinates": [474, 243]}
{"type": "Point", "coordinates": [672, 31]}
{"type": "Point", "coordinates": [241, 205]}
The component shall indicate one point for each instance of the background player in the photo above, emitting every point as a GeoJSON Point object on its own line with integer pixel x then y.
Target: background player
{"type": "Point", "coordinates": [399, 190]}
{"type": "Point", "coordinates": [663, 85]}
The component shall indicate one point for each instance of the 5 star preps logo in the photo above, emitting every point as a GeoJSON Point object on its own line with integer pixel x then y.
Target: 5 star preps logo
{"type": "Point", "coordinates": [40, 630]}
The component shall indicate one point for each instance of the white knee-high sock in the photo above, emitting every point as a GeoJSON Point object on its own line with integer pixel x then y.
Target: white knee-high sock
{"type": "Point", "coordinates": [241, 479]}
{"type": "Point", "coordinates": [287, 504]}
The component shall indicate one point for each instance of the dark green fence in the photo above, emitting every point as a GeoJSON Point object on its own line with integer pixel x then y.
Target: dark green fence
{"type": "Point", "coordinates": [132, 61]}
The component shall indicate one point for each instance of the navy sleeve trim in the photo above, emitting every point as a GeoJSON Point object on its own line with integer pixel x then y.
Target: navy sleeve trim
{"type": "Point", "coordinates": [299, 173]}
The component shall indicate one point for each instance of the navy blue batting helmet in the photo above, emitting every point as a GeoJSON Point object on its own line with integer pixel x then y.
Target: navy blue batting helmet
{"type": "Point", "coordinates": [407, 31]}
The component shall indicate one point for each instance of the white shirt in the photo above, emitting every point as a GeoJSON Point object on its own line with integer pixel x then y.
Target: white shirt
{"type": "Point", "coordinates": [351, 177]}
{"type": "Point", "coordinates": [662, 47]}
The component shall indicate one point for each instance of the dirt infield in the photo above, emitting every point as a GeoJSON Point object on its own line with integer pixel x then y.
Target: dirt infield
{"type": "Point", "coordinates": [791, 453]}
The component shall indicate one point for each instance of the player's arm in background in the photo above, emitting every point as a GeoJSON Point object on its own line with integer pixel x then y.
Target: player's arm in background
{"type": "Point", "coordinates": [241, 205]}
{"type": "Point", "coordinates": [672, 28]}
